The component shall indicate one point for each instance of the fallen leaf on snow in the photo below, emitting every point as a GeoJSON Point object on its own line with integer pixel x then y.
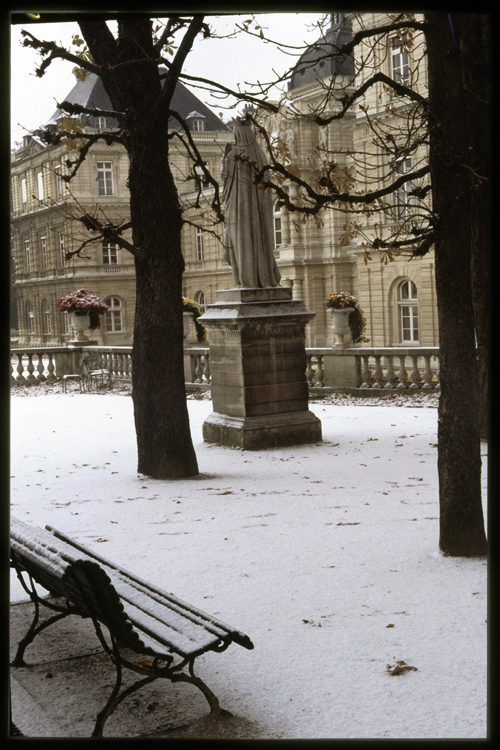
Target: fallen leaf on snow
{"type": "Point", "coordinates": [400, 668]}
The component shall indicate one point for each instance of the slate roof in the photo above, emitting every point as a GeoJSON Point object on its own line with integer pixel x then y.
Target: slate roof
{"type": "Point", "coordinates": [334, 65]}
{"type": "Point", "coordinates": [92, 94]}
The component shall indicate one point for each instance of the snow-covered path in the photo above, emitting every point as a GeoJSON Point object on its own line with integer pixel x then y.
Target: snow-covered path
{"type": "Point", "coordinates": [326, 555]}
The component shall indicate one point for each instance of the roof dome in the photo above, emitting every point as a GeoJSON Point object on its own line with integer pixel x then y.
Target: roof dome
{"type": "Point", "coordinates": [318, 61]}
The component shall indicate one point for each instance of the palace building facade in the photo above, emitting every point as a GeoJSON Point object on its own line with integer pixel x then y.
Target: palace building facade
{"type": "Point", "coordinates": [315, 258]}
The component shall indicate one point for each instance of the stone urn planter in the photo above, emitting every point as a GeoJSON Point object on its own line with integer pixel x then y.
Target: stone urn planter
{"type": "Point", "coordinates": [85, 309]}
{"type": "Point", "coordinates": [340, 325]}
{"type": "Point", "coordinates": [80, 323]}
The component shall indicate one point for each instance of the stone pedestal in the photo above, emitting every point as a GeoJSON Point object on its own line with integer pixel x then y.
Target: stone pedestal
{"type": "Point", "coordinates": [342, 370]}
{"type": "Point", "coordinates": [257, 360]}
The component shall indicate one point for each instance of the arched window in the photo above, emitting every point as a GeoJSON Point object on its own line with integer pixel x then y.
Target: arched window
{"type": "Point", "coordinates": [113, 317]}
{"type": "Point", "coordinates": [408, 311]}
{"type": "Point", "coordinates": [30, 318]}
{"type": "Point", "coordinates": [278, 233]}
{"type": "Point", "coordinates": [46, 319]}
{"type": "Point", "coordinates": [199, 297]}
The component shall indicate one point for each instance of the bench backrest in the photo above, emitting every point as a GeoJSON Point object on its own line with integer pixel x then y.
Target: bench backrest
{"type": "Point", "coordinates": [88, 586]}
{"type": "Point", "coordinates": [146, 618]}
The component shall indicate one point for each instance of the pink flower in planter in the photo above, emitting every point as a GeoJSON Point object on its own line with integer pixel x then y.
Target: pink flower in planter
{"type": "Point", "coordinates": [84, 301]}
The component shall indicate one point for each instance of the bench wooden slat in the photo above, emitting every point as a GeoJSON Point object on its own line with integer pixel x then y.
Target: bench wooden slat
{"type": "Point", "coordinates": [146, 616]}
{"type": "Point", "coordinates": [153, 606]}
{"type": "Point", "coordinates": [213, 624]}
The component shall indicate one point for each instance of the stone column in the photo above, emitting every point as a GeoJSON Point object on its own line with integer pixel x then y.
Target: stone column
{"type": "Point", "coordinates": [258, 363]}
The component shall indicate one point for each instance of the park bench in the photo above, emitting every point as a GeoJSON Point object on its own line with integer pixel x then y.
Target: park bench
{"type": "Point", "coordinates": [140, 618]}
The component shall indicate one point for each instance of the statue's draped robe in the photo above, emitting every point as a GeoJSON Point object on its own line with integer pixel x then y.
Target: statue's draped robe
{"type": "Point", "coordinates": [249, 229]}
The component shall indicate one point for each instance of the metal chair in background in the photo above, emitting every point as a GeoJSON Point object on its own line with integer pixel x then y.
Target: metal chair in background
{"type": "Point", "coordinates": [93, 373]}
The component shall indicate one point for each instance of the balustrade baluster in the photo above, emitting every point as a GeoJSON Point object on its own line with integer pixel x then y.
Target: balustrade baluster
{"type": "Point", "coordinates": [438, 383]}
{"type": "Point", "coordinates": [20, 369]}
{"type": "Point", "coordinates": [40, 367]}
{"type": "Point", "coordinates": [390, 374]}
{"type": "Point", "coordinates": [415, 373]}
{"type": "Point", "coordinates": [402, 374]}
{"type": "Point", "coordinates": [427, 373]}
{"type": "Point", "coordinates": [378, 375]}
{"type": "Point", "coordinates": [198, 370]}
{"type": "Point", "coordinates": [50, 367]}
{"type": "Point", "coordinates": [366, 374]}
{"type": "Point", "coordinates": [319, 378]}
{"type": "Point", "coordinates": [30, 367]}
{"type": "Point", "coordinates": [309, 370]}
{"type": "Point", "coordinates": [206, 370]}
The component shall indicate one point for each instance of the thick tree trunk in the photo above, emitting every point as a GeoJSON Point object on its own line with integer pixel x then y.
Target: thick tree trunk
{"type": "Point", "coordinates": [131, 78]}
{"type": "Point", "coordinates": [165, 449]}
{"type": "Point", "coordinates": [459, 455]}
{"type": "Point", "coordinates": [475, 48]}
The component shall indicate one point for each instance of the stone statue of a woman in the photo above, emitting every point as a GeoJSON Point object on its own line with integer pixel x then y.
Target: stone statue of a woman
{"type": "Point", "coordinates": [249, 229]}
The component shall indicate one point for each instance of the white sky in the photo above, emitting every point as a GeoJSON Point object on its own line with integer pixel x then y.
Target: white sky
{"type": "Point", "coordinates": [231, 62]}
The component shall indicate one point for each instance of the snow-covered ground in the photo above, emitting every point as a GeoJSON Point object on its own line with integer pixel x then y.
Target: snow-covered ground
{"type": "Point", "coordinates": [326, 555]}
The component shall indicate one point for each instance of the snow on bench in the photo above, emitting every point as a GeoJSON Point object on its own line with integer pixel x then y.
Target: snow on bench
{"type": "Point", "coordinates": [138, 616]}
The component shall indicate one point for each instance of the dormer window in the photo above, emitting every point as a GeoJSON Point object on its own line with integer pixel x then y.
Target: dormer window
{"type": "Point", "coordinates": [100, 122]}
{"type": "Point", "coordinates": [196, 121]}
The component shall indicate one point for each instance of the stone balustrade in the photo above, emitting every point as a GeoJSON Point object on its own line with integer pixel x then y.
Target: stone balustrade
{"type": "Point", "coordinates": [197, 365]}
{"type": "Point", "coordinates": [388, 368]}
{"type": "Point", "coordinates": [345, 369]}
{"type": "Point", "coordinates": [32, 365]}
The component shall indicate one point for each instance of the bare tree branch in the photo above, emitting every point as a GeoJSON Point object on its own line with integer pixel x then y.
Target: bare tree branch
{"type": "Point", "coordinates": [198, 161]}
{"type": "Point", "coordinates": [56, 52]}
{"type": "Point", "coordinates": [348, 47]}
{"type": "Point", "coordinates": [175, 68]}
{"type": "Point", "coordinates": [79, 110]}
{"type": "Point", "coordinates": [348, 101]}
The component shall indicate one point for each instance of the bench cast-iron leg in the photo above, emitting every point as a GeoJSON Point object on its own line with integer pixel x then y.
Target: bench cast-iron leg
{"type": "Point", "coordinates": [33, 630]}
{"type": "Point", "coordinates": [212, 699]}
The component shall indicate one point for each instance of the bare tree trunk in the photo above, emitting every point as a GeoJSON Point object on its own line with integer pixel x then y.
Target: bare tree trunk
{"type": "Point", "coordinates": [459, 456]}
{"type": "Point", "coordinates": [165, 449]}
{"type": "Point", "coordinates": [164, 445]}
{"type": "Point", "coordinates": [130, 76]}
{"type": "Point", "coordinates": [475, 47]}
